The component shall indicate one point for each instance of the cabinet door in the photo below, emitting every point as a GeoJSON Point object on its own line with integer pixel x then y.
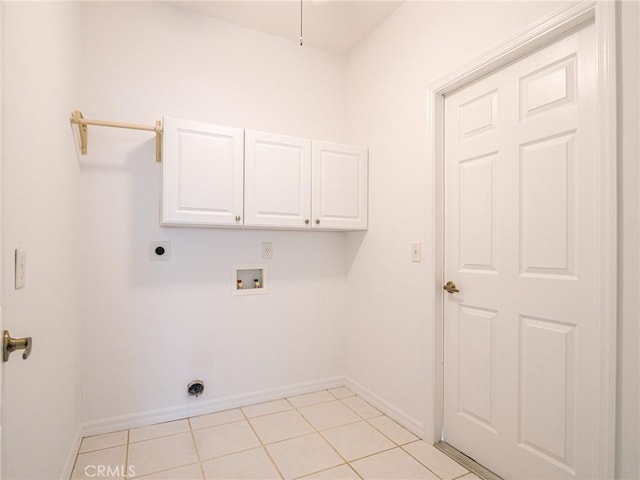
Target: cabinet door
{"type": "Point", "coordinates": [340, 186]}
{"type": "Point", "coordinates": [277, 180]}
{"type": "Point", "coordinates": [202, 168]}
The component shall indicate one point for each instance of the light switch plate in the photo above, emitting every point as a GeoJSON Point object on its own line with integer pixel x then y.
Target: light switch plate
{"type": "Point", "coordinates": [21, 268]}
{"type": "Point", "coordinates": [416, 251]}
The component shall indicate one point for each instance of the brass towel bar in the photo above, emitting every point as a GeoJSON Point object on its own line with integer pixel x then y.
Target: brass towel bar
{"type": "Point", "coordinates": [78, 119]}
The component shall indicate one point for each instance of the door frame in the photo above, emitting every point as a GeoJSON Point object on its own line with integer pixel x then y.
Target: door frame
{"type": "Point", "coordinates": [536, 36]}
{"type": "Point", "coordinates": [2, 462]}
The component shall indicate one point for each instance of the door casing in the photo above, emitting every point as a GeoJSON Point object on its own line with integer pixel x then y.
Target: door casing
{"type": "Point", "coordinates": [533, 38]}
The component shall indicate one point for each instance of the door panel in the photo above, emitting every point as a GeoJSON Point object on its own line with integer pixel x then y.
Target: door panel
{"type": "Point", "coordinates": [547, 214]}
{"type": "Point", "coordinates": [477, 213]}
{"type": "Point", "coordinates": [476, 389]}
{"type": "Point", "coordinates": [546, 399]}
{"type": "Point", "coordinates": [520, 221]}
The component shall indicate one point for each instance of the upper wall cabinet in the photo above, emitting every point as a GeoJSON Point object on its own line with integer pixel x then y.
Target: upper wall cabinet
{"type": "Point", "coordinates": [277, 177]}
{"type": "Point", "coordinates": [214, 176]}
{"type": "Point", "coordinates": [202, 174]}
{"type": "Point", "coordinates": [340, 186]}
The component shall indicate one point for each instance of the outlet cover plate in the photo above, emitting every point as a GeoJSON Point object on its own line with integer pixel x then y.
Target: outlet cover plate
{"type": "Point", "coordinates": [21, 268]}
{"type": "Point", "coordinates": [267, 250]}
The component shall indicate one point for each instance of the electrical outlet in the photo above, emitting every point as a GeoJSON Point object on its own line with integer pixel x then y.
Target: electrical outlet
{"type": "Point", "coordinates": [416, 251]}
{"type": "Point", "coordinates": [160, 251]}
{"type": "Point", "coordinates": [21, 268]}
{"type": "Point", "coordinates": [267, 250]}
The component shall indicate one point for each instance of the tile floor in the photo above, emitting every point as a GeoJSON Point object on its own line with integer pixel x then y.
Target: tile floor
{"type": "Point", "coordinates": [330, 434]}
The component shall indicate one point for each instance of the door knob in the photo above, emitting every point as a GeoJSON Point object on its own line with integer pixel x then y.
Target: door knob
{"type": "Point", "coordinates": [451, 287]}
{"type": "Point", "coordinates": [10, 345]}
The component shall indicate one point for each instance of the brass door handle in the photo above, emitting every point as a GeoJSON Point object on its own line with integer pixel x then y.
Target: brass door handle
{"type": "Point", "coordinates": [451, 287]}
{"type": "Point", "coordinates": [10, 345]}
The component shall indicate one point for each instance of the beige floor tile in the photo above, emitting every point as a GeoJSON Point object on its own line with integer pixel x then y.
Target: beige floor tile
{"type": "Point", "coordinates": [303, 455]}
{"type": "Point", "coordinates": [266, 408]}
{"type": "Point", "coordinates": [343, 472]}
{"type": "Point", "coordinates": [281, 426]}
{"type": "Point", "coordinates": [108, 440]}
{"type": "Point", "coordinates": [435, 460]}
{"type": "Point", "coordinates": [162, 453]}
{"type": "Point", "coordinates": [89, 465]}
{"type": "Point", "coordinates": [225, 439]}
{"type": "Point", "coordinates": [392, 465]}
{"type": "Point", "coordinates": [329, 415]}
{"type": "Point", "coordinates": [357, 440]}
{"type": "Point", "coordinates": [218, 418]}
{"type": "Point", "coordinates": [391, 429]}
{"type": "Point", "coordinates": [189, 472]}
{"type": "Point", "coordinates": [158, 430]}
{"type": "Point", "coordinates": [249, 465]}
{"type": "Point", "coordinates": [229, 448]}
{"type": "Point", "coordinates": [311, 398]}
{"type": "Point", "coordinates": [341, 392]}
{"type": "Point", "coordinates": [362, 408]}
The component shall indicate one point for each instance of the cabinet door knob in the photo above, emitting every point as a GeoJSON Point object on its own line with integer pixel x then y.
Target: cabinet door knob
{"type": "Point", "coordinates": [238, 218]}
{"type": "Point", "coordinates": [306, 221]}
{"type": "Point", "coordinates": [317, 221]}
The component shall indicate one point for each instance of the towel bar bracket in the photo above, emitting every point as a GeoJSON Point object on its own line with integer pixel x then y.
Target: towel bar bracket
{"type": "Point", "coordinates": [78, 119]}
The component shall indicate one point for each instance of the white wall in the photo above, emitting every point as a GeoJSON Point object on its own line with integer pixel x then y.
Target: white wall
{"type": "Point", "coordinates": [40, 404]}
{"type": "Point", "coordinates": [390, 309]}
{"type": "Point", "coordinates": [151, 327]}
{"type": "Point", "coordinates": [391, 305]}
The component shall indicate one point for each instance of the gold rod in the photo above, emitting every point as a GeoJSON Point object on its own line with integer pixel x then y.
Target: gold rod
{"type": "Point", "coordinates": [103, 123]}
{"type": "Point", "coordinates": [78, 119]}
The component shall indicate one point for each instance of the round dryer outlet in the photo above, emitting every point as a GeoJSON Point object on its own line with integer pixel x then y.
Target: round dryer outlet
{"type": "Point", "coordinates": [195, 388]}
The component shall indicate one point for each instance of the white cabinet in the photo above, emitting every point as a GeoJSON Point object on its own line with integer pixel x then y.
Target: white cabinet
{"type": "Point", "coordinates": [296, 183]}
{"type": "Point", "coordinates": [339, 189]}
{"type": "Point", "coordinates": [214, 176]}
{"type": "Point", "coordinates": [277, 178]}
{"type": "Point", "coordinates": [202, 174]}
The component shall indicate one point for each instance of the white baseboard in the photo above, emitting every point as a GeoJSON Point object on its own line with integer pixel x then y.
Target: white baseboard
{"type": "Point", "coordinates": [178, 412]}
{"type": "Point", "coordinates": [407, 421]}
{"type": "Point", "coordinates": [67, 470]}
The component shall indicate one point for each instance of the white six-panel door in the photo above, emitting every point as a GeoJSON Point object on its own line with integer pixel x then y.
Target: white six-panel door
{"type": "Point", "coordinates": [521, 243]}
{"type": "Point", "coordinates": [202, 173]}
{"type": "Point", "coordinates": [277, 180]}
